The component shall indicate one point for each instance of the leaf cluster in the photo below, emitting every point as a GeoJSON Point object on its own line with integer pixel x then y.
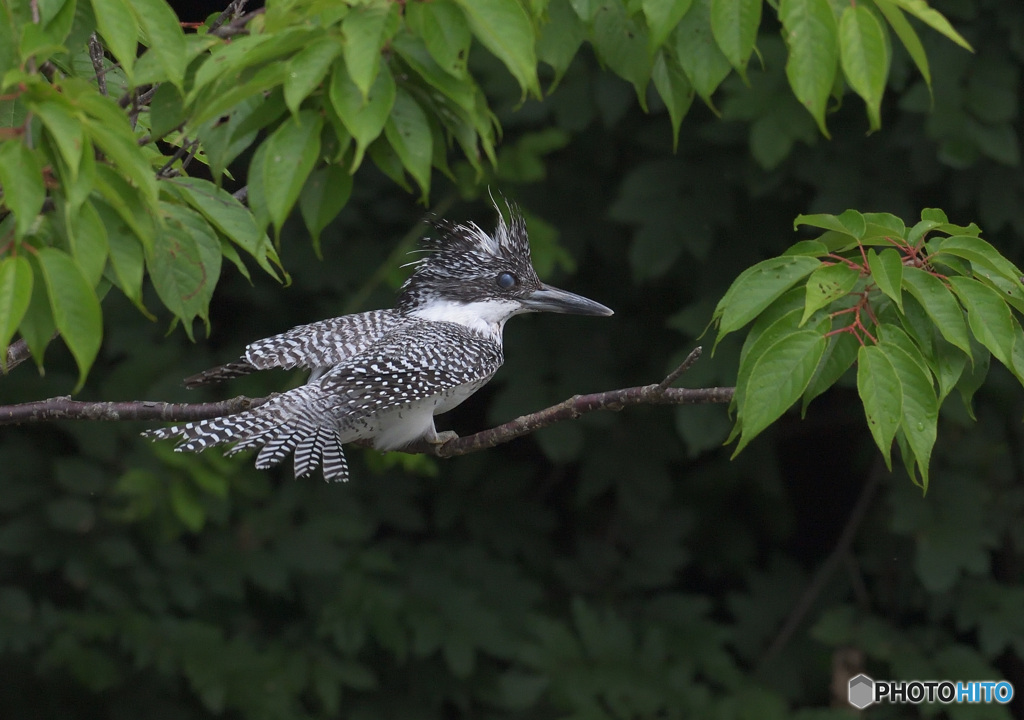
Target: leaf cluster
{"type": "Point", "coordinates": [113, 155]}
{"type": "Point", "coordinates": [921, 314]}
{"type": "Point", "coordinates": [620, 566]}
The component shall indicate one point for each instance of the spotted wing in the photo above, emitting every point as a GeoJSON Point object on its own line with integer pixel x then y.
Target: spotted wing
{"type": "Point", "coordinates": [316, 345]}
{"type": "Point", "coordinates": [412, 364]}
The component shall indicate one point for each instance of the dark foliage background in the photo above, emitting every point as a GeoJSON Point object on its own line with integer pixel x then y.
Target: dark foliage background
{"type": "Point", "coordinates": [621, 566]}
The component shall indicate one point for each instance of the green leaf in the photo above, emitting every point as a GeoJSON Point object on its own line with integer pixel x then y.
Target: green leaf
{"type": "Point", "coordinates": [8, 60]}
{"type": "Point", "coordinates": [908, 36]}
{"type": "Point", "coordinates": [37, 328]}
{"type": "Point", "coordinates": [940, 304]}
{"type": "Point", "coordinates": [949, 365]}
{"type": "Point", "coordinates": [560, 38]}
{"type": "Point", "coordinates": [364, 29]}
{"type": "Point", "coordinates": [445, 31]}
{"type": "Point", "coordinates": [810, 31]}
{"type": "Point", "coordinates": [920, 405]}
{"type": "Point", "coordinates": [408, 132]}
{"type": "Point", "coordinates": [21, 180]}
{"type": "Point", "coordinates": [827, 284]}
{"type": "Point", "coordinates": [780, 318]}
{"type": "Point", "coordinates": [223, 141]}
{"type": "Point", "coordinates": [224, 66]}
{"type": "Point", "coordinates": [164, 36]}
{"type": "Point", "coordinates": [324, 195]}
{"type": "Point", "coordinates": [974, 377]}
{"type": "Point", "coordinates": [220, 99]}
{"type": "Point", "coordinates": [864, 54]}
{"type": "Point", "coordinates": [292, 151]}
{"type": "Point", "coordinates": [662, 18]}
{"type": "Point", "coordinates": [757, 287]}
{"type": "Point", "coordinates": [123, 197]}
{"type": "Point", "coordinates": [621, 43]}
{"type": "Point", "coordinates": [119, 145]}
{"type": "Point", "coordinates": [126, 255]}
{"type": "Point", "coordinates": [414, 51]}
{"type": "Point", "coordinates": [675, 90]}
{"type": "Point", "coordinates": [257, 196]}
{"type": "Point", "coordinates": [116, 23]}
{"type": "Point", "coordinates": [981, 255]}
{"type": "Point", "coordinates": [184, 264]}
{"type": "Point", "coordinates": [364, 120]}
{"type": "Point", "coordinates": [704, 63]}
{"type": "Point", "coordinates": [887, 273]}
{"type": "Point", "coordinates": [230, 217]}
{"type": "Point", "coordinates": [914, 321]}
{"type": "Point", "coordinates": [777, 380]}
{"type": "Point", "coordinates": [505, 29]}
{"type": "Point", "coordinates": [734, 24]}
{"type": "Point", "coordinates": [388, 162]}
{"type": "Point", "coordinates": [989, 317]}
{"type": "Point", "coordinates": [76, 310]}
{"type": "Point", "coordinates": [850, 222]}
{"type": "Point", "coordinates": [88, 239]}
{"type": "Point", "coordinates": [307, 69]}
{"type": "Point", "coordinates": [895, 335]}
{"type": "Point", "coordinates": [882, 395]}
{"type": "Point", "coordinates": [15, 295]}
{"type": "Point", "coordinates": [933, 19]}
{"type": "Point", "coordinates": [64, 127]}
{"type": "Point", "coordinates": [811, 248]}
{"type": "Point", "coordinates": [166, 111]}
{"type": "Point", "coordinates": [838, 357]}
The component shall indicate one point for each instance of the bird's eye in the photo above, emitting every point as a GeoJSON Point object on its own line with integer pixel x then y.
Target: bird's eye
{"type": "Point", "coordinates": [506, 280]}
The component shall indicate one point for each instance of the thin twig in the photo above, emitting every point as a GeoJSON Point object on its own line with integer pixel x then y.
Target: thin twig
{"type": "Point", "coordinates": [824, 574]}
{"type": "Point", "coordinates": [96, 55]}
{"type": "Point", "coordinates": [17, 353]}
{"type": "Point", "coordinates": [233, 10]}
{"type": "Point", "coordinates": [688, 363]}
{"type": "Point", "coordinates": [236, 26]}
{"type": "Point", "coordinates": [143, 94]}
{"type": "Point", "coordinates": [186, 151]}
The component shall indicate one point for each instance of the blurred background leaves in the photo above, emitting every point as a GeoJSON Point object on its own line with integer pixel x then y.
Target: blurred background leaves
{"type": "Point", "coordinates": [619, 567]}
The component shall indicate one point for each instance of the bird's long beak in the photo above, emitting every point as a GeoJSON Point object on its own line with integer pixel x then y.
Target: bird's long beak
{"type": "Point", "coordinates": [551, 299]}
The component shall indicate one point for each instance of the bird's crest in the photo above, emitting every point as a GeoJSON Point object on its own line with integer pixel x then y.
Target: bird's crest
{"type": "Point", "coordinates": [463, 254]}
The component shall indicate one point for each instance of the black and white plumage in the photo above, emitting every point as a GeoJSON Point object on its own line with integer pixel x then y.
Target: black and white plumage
{"type": "Point", "coordinates": [382, 376]}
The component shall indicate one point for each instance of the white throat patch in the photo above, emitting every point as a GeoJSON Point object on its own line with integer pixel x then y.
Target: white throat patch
{"type": "Point", "coordinates": [485, 317]}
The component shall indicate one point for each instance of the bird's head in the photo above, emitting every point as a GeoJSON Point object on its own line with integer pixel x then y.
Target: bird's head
{"type": "Point", "coordinates": [468, 274]}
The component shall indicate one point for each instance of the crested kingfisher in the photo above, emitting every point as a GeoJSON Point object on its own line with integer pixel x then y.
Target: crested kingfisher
{"type": "Point", "coordinates": [381, 376]}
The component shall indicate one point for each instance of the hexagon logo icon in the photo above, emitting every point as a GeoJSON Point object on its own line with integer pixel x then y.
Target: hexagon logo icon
{"type": "Point", "coordinates": [862, 691]}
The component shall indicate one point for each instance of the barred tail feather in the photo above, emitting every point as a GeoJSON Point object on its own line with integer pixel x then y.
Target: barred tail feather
{"type": "Point", "coordinates": [307, 452]}
{"type": "Point", "coordinates": [265, 429]}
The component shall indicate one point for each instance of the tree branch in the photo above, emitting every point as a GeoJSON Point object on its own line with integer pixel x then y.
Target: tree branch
{"type": "Point", "coordinates": [64, 408]}
{"type": "Point", "coordinates": [96, 55]}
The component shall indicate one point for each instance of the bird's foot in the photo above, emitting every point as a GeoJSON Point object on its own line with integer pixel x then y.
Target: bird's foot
{"type": "Point", "coordinates": [443, 437]}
